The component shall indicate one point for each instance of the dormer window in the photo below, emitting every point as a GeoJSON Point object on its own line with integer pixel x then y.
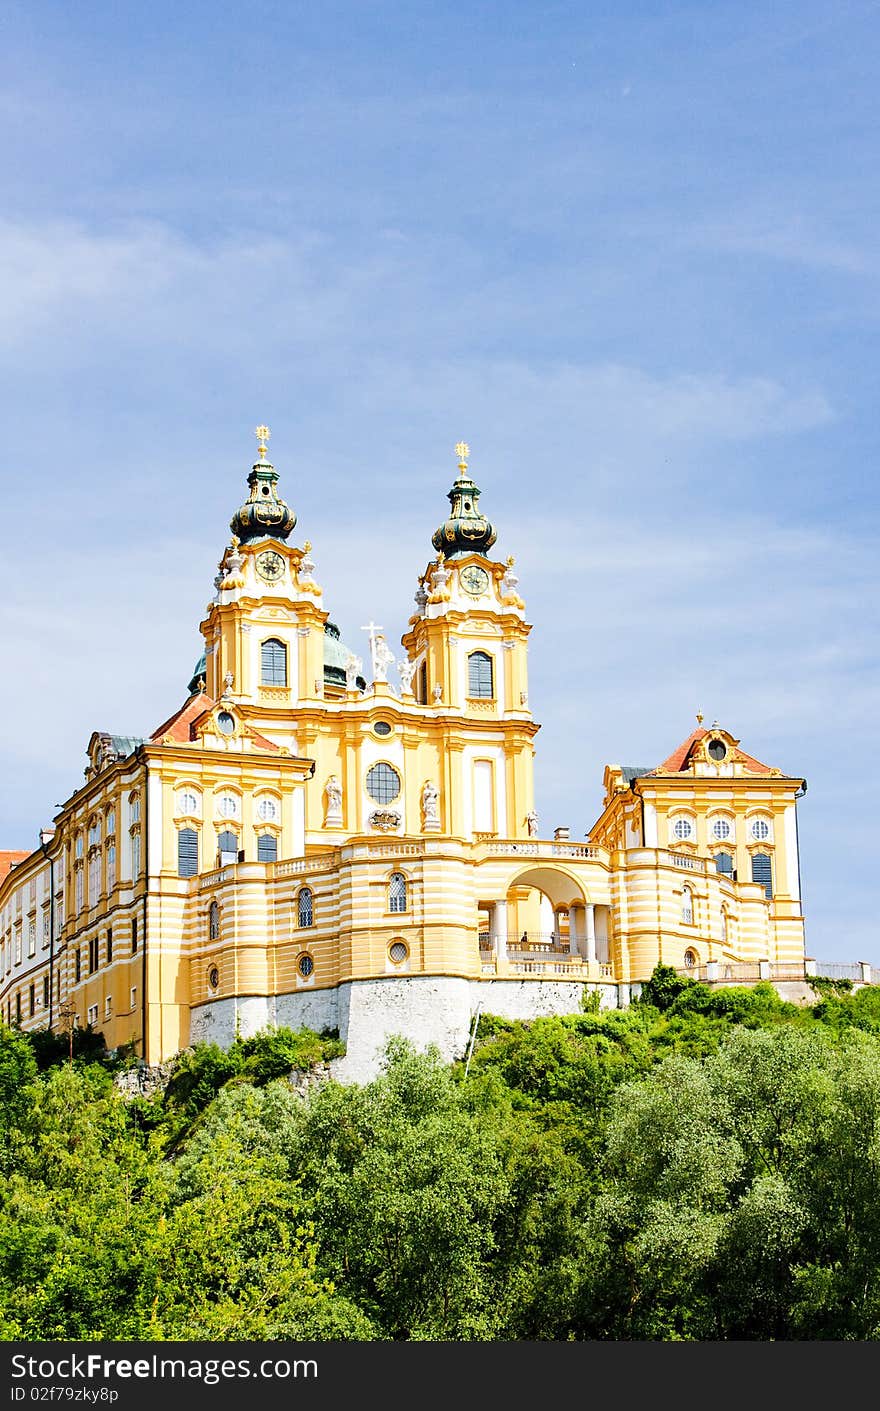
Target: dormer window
{"type": "Point", "coordinates": [716, 749]}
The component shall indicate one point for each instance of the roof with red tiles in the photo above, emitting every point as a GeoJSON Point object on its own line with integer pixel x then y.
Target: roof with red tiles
{"type": "Point", "coordinates": [679, 760]}
{"type": "Point", "coordinates": [182, 725]}
{"type": "Point", "coordinates": [8, 860]}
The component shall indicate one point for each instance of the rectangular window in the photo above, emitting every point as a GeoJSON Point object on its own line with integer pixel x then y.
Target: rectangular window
{"type": "Point", "coordinates": [134, 935]}
{"type": "Point", "coordinates": [79, 890]}
{"type": "Point", "coordinates": [136, 809]}
{"type": "Point", "coordinates": [77, 965]}
{"type": "Point", "coordinates": [18, 1007]}
{"type": "Point", "coordinates": [32, 1000]}
{"type": "Point", "coordinates": [93, 955]}
{"type": "Point", "coordinates": [32, 938]}
{"type": "Point", "coordinates": [18, 945]}
{"type": "Point", "coordinates": [92, 1014]}
{"type": "Point", "coordinates": [187, 852]}
{"type": "Point", "coordinates": [133, 998]}
{"type": "Point", "coordinates": [480, 676]}
{"type": "Point", "coordinates": [135, 856]}
{"type": "Point", "coordinates": [45, 991]}
{"type": "Point", "coordinates": [109, 946]}
{"type": "Point", "coordinates": [45, 928]}
{"type": "Point", "coordinates": [111, 867]}
{"type": "Point", "coordinates": [108, 1007]}
{"type": "Point", "coordinates": [484, 801]}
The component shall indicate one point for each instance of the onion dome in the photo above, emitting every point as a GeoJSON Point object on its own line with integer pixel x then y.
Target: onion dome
{"type": "Point", "coordinates": [466, 531]}
{"type": "Point", "coordinates": [264, 514]}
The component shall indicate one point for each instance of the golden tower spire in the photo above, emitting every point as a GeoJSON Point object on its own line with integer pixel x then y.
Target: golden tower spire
{"type": "Point", "coordinates": [462, 450]}
{"type": "Point", "coordinates": [262, 434]}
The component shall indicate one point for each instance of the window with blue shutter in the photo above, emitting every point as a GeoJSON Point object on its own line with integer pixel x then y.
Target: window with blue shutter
{"type": "Point", "coordinates": [762, 872]}
{"type": "Point", "coordinates": [273, 663]}
{"type": "Point", "coordinates": [187, 852]}
{"type": "Point", "coordinates": [267, 848]}
{"type": "Point", "coordinates": [228, 846]}
{"type": "Point", "coordinates": [480, 676]}
{"type": "Point", "coordinates": [724, 864]}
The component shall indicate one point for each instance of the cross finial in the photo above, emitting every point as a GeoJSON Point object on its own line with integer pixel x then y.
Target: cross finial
{"type": "Point", "coordinates": [262, 434]}
{"type": "Point", "coordinates": [699, 717]}
{"type": "Point", "coordinates": [462, 450]}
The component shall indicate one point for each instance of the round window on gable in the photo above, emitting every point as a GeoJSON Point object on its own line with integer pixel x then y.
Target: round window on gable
{"type": "Point", "coordinates": [716, 749]}
{"type": "Point", "coordinates": [225, 723]}
{"type": "Point", "coordinates": [306, 966]}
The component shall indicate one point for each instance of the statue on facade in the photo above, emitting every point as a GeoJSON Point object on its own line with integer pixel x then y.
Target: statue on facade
{"type": "Point", "coordinates": [532, 822]}
{"type": "Point", "coordinates": [430, 798]}
{"type": "Point", "coordinates": [383, 658]}
{"type": "Point", "coordinates": [406, 671]}
{"type": "Point", "coordinates": [353, 665]}
{"type": "Point", "coordinates": [333, 794]}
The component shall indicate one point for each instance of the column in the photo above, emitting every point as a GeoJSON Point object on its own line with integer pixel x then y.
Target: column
{"type": "Point", "coordinates": [499, 929]}
{"type": "Point", "coordinates": [574, 930]}
{"type": "Point", "coordinates": [590, 913]}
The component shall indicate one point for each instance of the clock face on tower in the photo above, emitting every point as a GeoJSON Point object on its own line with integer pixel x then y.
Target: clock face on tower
{"type": "Point", "coordinates": [270, 566]}
{"type": "Point", "coordinates": [474, 580]}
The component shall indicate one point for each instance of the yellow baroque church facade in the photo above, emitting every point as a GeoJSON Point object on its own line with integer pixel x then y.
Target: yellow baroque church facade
{"type": "Point", "coordinates": [307, 842]}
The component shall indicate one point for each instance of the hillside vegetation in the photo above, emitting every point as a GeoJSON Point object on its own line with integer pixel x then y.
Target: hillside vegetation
{"type": "Point", "coordinates": [704, 1165]}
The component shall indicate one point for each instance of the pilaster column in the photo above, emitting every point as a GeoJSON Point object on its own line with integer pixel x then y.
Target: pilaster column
{"type": "Point", "coordinates": [574, 930]}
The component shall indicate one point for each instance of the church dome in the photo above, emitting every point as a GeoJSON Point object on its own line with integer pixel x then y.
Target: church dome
{"type": "Point", "coordinates": [198, 675]}
{"type": "Point", "coordinates": [336, 653]}
{"type": "Point", "coordinates": [466, 531]}
{"type": "Point", "coordinates": [264, 514]}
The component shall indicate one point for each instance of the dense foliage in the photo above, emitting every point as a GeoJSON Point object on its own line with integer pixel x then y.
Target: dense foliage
{"type": "Point", "coordinates": [705, 1165]}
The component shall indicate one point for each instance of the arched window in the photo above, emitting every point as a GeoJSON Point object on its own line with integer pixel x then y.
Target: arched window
{"type": "Point", "coordinates": [187, 852]}
{"type": "Point", "coordinates": [305, 915]}
{"type": "Point", "coordinates": [397, 892]}
{"type": "Point", "coordinates": [762, 872]}
{"type": "Point", "coordinates": [480, 682]}
{"type": "Point", "coordinates": [724, 925]}
{"type": "Point", "coordinates": [273, 663]}
{"type": "Point", "coordinates": [724, 864]}
{"type": "Point", "coordinates": [687, 907]}
{"type": "Point", "coordinates": [690, 959]}
{"type": "Point", "coordinates": [227, 844]}
{"type": "Point", "coordinates": [267, 848]}
{"type": "Point", "coordinates": [214, 921]}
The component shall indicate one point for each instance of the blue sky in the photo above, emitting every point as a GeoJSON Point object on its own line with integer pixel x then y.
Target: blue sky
{"type": "Point", "coordinates": [627, 251]}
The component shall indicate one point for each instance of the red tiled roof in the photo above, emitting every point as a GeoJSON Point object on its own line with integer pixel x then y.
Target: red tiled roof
{"type": "Point", "coordinates": [680, 758]}
{"type": "Point", "coordinates": [8, 860]}
{"type": "Point", "coordinates": [181, 726]}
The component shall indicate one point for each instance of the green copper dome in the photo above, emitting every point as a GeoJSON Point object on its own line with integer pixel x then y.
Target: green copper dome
{"type": "Point", "coordinates": [336, 654]}
{"type": "Point", "coordinates": [264, 514]}
{"type": "Point", "coordinates": [466, 531]}
{"type": "Point", "coordinates": [198, 675]}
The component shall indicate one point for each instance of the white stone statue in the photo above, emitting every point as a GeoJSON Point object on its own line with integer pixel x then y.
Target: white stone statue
{"type": "Point", "coordinates": [421, 599]}
{"type": "Point", "coordinates": [333, 793]}
{"type": "Point", "coordinates": [406, 671]}
{"type": "Point", "coordinates": [430, 797]}
{"type": "Point", "coordinates": [353, 667]}
{"type": "Point", "coordinates": [228, 680]}
{"type": "Point", "coordinates": [532, 821]}
{"type": "Point", "coordinates": [437, 691]}
{"type": "Point", "coordinates": [382, 659]}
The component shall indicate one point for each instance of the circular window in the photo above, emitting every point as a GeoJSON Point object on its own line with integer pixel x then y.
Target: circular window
{"type": "Point", "coordinates": [683, 828]}
{"type": "Point", "coordinates": [267, 809]}
{"type": "Point", "coordinates": [187, 802]}
{"type": "Point", "coordinates": [227, 806]}
{"type": "Point", "coordinates": [382, 727]}
{"type": "Point", "coordinates": [383, 783]}
{"type": "Point", "coordinates": [225, 722]}
{"type": "Point", "coordinates": [398, 951]}
{"type": "Point", "coordinates": [716, 749]}
{"type": "Point", "coordinates": [214, 977]}
{"type": "Point", "coordinates": [760, 829]}
{"type": "Point", "coordinates": [690, 959]}
{"type": "Point", "coordinates": [305, 965]}
{"type": "Point", "coordinates": [721, 829]}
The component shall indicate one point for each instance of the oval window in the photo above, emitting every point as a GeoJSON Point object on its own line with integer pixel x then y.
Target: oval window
{"type": "Point", "coordinates": [305, 966]}
{"type": "Point", "coordinates": [225, 722]}
{"type": "Point", "coordinates": [383, 783]}
{"type": "Point", "coordinates": [214, 977]}
{"type": "Point", "coordinates": [382, 727]}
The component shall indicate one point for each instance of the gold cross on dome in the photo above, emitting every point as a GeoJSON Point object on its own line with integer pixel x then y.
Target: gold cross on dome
{"type": "Point", "coordinates": [462, 450]}
{"type": "Point", "coordinates": [262, 434]}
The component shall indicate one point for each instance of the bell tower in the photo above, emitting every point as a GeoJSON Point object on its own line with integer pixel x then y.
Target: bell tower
{"type": "Point", "coordinates": [466, 651]}
{"type": "Point", "coordinates": [264, 629]}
